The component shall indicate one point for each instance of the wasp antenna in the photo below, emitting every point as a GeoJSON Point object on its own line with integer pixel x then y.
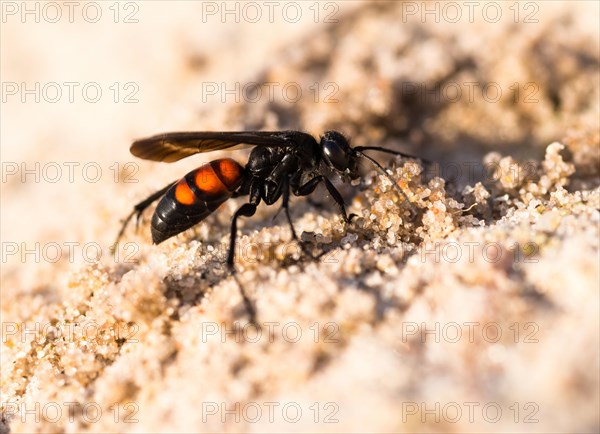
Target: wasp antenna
{"type": "Point", "coordinates": [389, 151]}
{"type": "Point", "coordinates": [380, 168]}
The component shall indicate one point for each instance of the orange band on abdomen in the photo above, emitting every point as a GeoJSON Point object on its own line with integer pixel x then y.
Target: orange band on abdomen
{"type": "Point", "coordinates": [183, 193]}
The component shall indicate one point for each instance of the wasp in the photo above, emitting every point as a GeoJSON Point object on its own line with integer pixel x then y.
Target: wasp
{"type": "Point", "coordinates": [281, 164]}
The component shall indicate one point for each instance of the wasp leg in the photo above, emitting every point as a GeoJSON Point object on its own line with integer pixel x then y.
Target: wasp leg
{"type": "Point", "coordinates": [309, 187]}
{"type": "Point", "coordinates": [306, 189]}
{"type": "Point", "coordinates": [246, 210]}
{"type": "Point", "coordinates": [138, 210]}
{"type": "Point", "coordinates": [286, 207]}
{"type": "Point", "coordinates": [320, 206]}
{"type": "Point", "coordinates": [285, 204]}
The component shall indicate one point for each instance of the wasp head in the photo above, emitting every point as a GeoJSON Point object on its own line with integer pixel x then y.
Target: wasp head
{"type": "Point", "coordinates": [338, 154]}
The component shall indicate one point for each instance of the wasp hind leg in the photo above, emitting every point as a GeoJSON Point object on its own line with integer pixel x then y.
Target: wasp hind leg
{"type": "Point", "coordinates": [138, 210]}
{"type": "Point", "coordinates": [246, 210]}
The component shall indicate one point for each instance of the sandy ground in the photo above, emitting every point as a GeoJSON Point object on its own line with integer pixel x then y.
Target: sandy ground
{"type": "Point", "coordinates": [480, 313]}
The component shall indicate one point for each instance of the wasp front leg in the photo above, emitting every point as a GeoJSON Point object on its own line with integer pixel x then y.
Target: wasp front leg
{"type": "Point", "coordinates": [309, 186]}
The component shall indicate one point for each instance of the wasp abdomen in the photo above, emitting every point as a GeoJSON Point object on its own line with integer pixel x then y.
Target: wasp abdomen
{"type": "Point", "coordinates": [195, 196]}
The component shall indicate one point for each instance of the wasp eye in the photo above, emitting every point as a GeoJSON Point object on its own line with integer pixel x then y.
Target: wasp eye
{"type": "Point", "coordinates": [336, 154]}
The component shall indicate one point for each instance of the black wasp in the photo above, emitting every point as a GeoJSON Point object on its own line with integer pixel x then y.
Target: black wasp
{"type": "Point", "coordinates": [282, 162]}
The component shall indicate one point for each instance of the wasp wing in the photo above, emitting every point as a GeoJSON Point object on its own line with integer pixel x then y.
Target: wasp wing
{"type": "Point", "coordinates": [172, 147]}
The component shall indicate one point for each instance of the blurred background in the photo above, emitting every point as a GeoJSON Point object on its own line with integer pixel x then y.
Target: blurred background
{"type": "Point", "coordinates": [446, 81]}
